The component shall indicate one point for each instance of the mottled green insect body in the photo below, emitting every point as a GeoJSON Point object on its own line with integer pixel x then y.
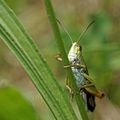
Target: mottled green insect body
{"type": "Point", "coordinates": [78, 68]}
{"type": "Point", "coordinates": [74, 57]}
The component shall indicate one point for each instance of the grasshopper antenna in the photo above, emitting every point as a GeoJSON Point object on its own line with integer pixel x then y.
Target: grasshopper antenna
{"type": "Point", "coordinates": [65, 30]}
{"type": "Point", "coordinates": [84, 31]}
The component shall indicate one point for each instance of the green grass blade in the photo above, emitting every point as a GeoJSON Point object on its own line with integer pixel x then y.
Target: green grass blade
{"type": "Point", "coordinates": [15, 37]}
{"type": "Point", "coordinates": [56, 31]}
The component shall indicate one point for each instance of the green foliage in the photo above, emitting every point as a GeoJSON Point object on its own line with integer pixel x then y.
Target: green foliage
{"type": "Point", "coordinates": [101, 49]}
{"type": "Point", "coordinates": [13, 106]}
{"type": "Point", "coordinates": [97, 40]}
{"type": "Point", "coordinates": [19, 42]}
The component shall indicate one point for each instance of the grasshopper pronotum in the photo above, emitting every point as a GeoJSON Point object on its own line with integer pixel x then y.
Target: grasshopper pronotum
{"type": "Point", "coordinates": [86, 88]}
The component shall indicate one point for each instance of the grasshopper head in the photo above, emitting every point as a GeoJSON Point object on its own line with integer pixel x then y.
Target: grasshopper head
{"type": "Point", "coordinates": [74, 52]}
{"type": "Point", "coordinates": [77, 48]}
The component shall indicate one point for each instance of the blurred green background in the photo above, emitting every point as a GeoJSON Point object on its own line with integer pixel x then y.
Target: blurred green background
{"type": "Point", "coordinates": [19, 100]}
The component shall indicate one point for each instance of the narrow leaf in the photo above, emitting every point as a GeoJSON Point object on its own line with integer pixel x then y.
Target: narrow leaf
{"type": "Point", "coordinates": [57, 34]}
{"type": "Point", "coordinates": [26, 51]}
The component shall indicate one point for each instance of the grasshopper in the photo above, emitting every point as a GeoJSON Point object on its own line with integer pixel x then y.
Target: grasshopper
{"type": "Point", "coordinates": [87, 89]}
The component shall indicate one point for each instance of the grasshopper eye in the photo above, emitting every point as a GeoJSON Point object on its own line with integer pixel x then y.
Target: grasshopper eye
{"type": "Point", "coordinates": [80, 48]}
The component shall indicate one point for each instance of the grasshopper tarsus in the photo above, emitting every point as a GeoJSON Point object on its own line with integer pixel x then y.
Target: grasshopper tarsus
{"type": "Point", "coordinates": [58, 57]}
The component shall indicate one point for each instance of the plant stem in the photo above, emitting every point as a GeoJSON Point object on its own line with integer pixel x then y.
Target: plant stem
{"type": "Point", "coordinates": [58, 37]}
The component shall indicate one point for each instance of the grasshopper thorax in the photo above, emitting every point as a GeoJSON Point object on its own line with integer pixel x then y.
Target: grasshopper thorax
{"type": "Point", "coordinates": [75, 51]}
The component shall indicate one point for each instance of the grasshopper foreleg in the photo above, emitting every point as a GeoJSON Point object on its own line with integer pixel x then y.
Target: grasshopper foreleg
{"type": "Point", "coordinates": [59, 58]}
{"type": "Point", "coordinates": [75, 65]}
